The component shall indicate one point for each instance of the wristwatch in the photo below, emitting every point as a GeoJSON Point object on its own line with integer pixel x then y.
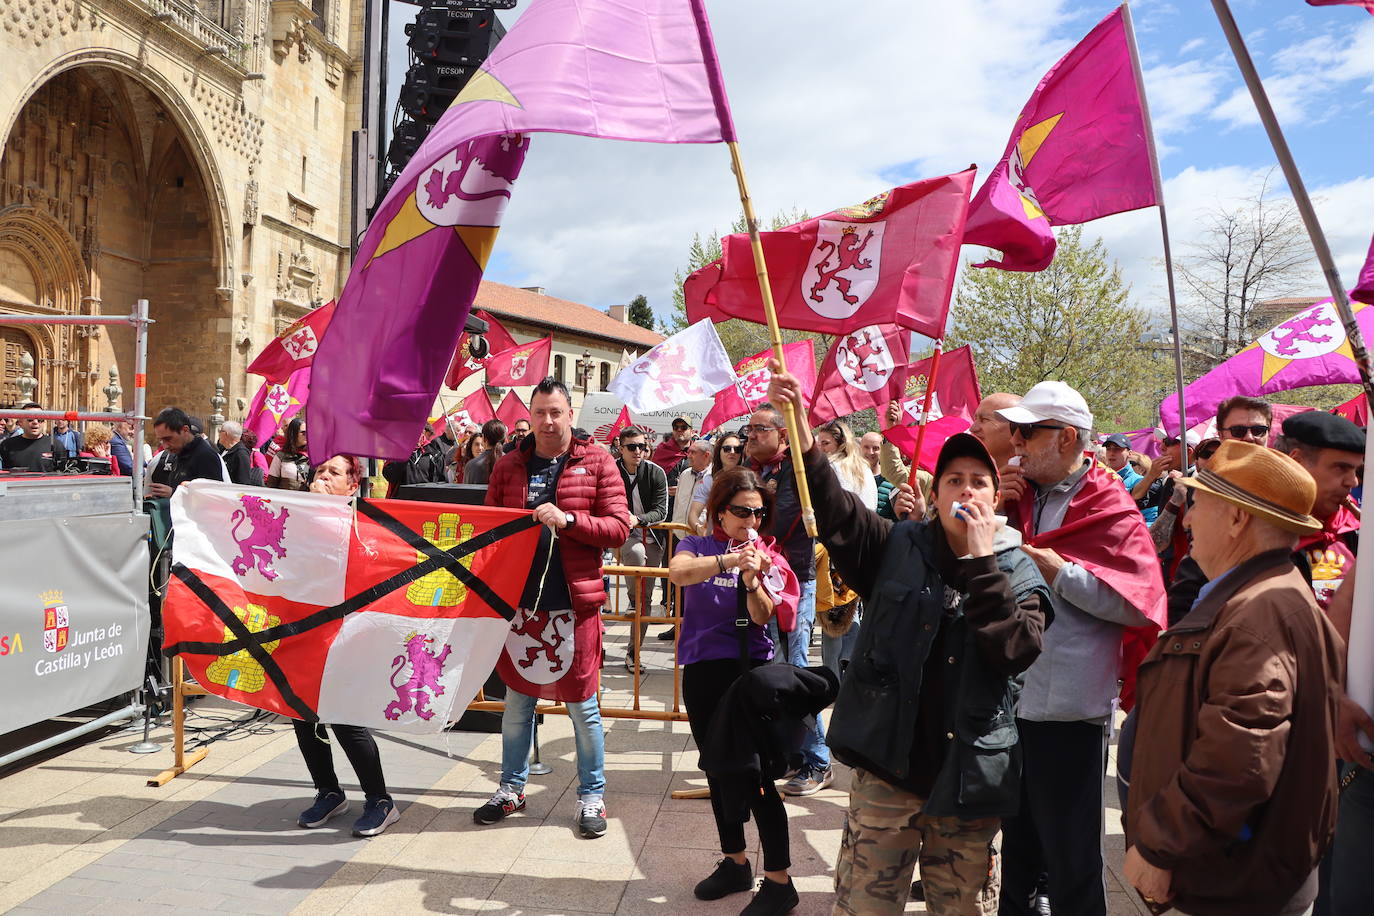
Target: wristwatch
{"type": "Point", "coordinates": [570, 518]}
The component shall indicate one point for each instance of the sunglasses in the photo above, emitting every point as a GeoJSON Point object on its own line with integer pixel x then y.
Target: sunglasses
{"type": "Point", "coordinates": [635, 446]}
{"type": "Point", "coordinates": [681, 429]}
{"type": "Point", "coordinates": [732, 449]}
{"type": "Point", "coordinates": [757, 430]}
{"type": "Point", "coordinates": [746, 511]}
{"type": "Point", "coordinates": [1027, 430]}
{"type": "Point", "coordinates": [1239, 431]}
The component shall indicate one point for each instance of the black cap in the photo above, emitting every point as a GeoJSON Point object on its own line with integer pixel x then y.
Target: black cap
{"type": "Point", "coordinates": [1117, 439]}
{"type": "Point", "coordinates": [1320, 429]}
{"type": "Point", "coordinates": [964, 445]}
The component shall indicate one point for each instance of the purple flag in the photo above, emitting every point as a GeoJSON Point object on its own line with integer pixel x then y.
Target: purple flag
{"type": "Point", "coordinates": [619, 69]}
{"type": "Point", "coordinates": [1308, 349]}
{"type": "Point", "coordinates": [1079, 151]}
{"type": "Point", "coordinates": [1364, 286]}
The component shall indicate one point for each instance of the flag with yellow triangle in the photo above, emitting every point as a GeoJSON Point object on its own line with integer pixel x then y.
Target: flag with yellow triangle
{"type": "Point", "coordinates": [641, 70]}
{"type": "Point", "coordinates": [1079, 151]}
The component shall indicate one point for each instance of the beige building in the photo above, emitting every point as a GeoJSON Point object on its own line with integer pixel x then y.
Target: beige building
{"type": "Point", "coordinates": [587, 342]}
{"type": "Point", "coordinates": [195, 153]}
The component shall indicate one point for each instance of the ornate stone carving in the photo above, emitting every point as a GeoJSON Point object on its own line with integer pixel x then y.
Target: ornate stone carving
{"type": "Point", "coordinates": [250, 201]}
{"type": "Point", "coordinates": [297, 279]}
{"type": "Point", "coordinates": [290, 28]}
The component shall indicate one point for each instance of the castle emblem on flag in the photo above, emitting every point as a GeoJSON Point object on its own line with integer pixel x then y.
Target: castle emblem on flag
{"type": "Point", "coordinates": [863, 359]}
{"type": "Point", "coordinates": [441, 588]}
{"type": "Point", "coordinates": [55, 621]}
{"type": "Point", "coordinates": [426, 667]}
{"type": "Point", "coordinates": [263, 539]}
{"type": "Point", "coordinates": [844, 267]}
{"type": "Point", "coordinates": [240, 670]}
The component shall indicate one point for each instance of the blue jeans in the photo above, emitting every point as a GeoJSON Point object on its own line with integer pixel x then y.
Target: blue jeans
{"type": "Point", "coordinates": [814, 752]}
{"type": "Point", "coordinates": [1347, 884]}
{"type": "Point", "coordinates": [835, 650]}
{"type": "Point", "coordinates": [517, 738]}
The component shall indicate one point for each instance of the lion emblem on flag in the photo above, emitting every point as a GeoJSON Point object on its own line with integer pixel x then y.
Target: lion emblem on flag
{"type": "Point", "coordinates": [844, 267]}
{"type": "Point", "coordinates": [540, 644]}
{"type": "Point", "coordinates": [261, 543]}
{"type": "Point", "coordinates": [423, 684]}
{"type": "Point", "coordinates": [519, 364]}
{"type": "Point", "coordinates": [668, 368]}
{"type": "Point", "coordinates": [863, 359]}
{"type": "Point", "coordinates": [1316, 332]}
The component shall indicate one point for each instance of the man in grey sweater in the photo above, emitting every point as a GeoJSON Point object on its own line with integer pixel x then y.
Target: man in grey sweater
{"type": "Point", "coordinates": [1070, 691]}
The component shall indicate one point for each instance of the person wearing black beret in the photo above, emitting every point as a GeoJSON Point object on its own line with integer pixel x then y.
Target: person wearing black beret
{"type": "Point", "coordinates": [1331, 448]}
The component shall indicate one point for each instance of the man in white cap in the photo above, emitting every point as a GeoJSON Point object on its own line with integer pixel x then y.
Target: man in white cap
{"type": "Point", "coordinates": [1084, 533]}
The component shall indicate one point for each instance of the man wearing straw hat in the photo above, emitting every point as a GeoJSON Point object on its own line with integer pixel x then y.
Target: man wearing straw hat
{"type": "Point", "coordinates": [1233, 797]}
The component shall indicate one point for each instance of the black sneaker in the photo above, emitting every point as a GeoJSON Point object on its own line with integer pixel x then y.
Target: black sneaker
{"type": "Point", "coordinates": [378, 814]}
{"type": "Point", "coordinates": [591, 817]}
{"type": "Point", "coordinates": [668, 634]}
{"type": "Point", "coordinates": [507, 800]}
{"type": "Point", "coordinates": [327, 805]}
{"type": "Point", "coordinates": [729, 878]}
{"type": "Point", "coordinates": [773, 899]}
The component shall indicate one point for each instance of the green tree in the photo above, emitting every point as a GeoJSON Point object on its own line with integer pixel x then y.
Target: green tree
{"type": "Point", "coordinates": [641, 313]}
{"type": "Point", "coordinates": [1070, 322]}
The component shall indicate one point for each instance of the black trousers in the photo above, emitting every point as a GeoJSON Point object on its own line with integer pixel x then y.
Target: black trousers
{"type": "Point", "coordinates": [1059, 827]}
{"type": "Point", "coordinates": [703, 686]}
{"type": "Point", "coordinates": [358, 745]}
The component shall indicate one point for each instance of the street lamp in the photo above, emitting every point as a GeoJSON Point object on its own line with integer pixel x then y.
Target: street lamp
{"type": "Point", "coordinates": [584, 369]}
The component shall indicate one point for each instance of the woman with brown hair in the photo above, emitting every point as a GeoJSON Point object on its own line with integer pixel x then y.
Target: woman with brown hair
{"type": "Point", "coordinates": [290, 469]}
{"type": "Point", "coordinates": [719, 633]}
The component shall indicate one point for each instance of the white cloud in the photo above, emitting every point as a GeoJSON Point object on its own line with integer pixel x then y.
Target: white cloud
{"type": "Point", "coordinates": [1192, 45]}
{"type": "Point", "coordinates": [1180, 93]}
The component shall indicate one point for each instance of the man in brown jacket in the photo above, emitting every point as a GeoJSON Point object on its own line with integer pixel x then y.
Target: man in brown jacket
{"type": "Point", "coordinates": [1233, 793]}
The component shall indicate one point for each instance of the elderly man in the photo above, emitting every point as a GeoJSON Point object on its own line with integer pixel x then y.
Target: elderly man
{"type": "Point", "coordinates": [1233, 797]}
{"type": "Point", "coordinates": [696, 473]}
{"type": "Point", "coordinates": [1085, 535]}
{"type": "Point", "coordinates": [766, 453]}
{"type": "Point", "coordinates": [1244, 418]}
{"type": "Point", "coordinates": [871, 447]}
{"type": "Point", "coordinates": [238, 461]}
{"type": "Point", "coordinates": [992, 429]}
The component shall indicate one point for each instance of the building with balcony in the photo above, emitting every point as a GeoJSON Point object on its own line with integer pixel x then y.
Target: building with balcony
{"type": "Point", "coordinates": [194, 153]}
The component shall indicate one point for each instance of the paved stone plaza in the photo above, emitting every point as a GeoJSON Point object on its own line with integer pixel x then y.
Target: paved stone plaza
{"type": "Point", "coordinates": [82, 833]}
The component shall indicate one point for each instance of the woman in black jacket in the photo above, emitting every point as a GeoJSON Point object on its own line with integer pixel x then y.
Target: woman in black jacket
{"type": "Point", "coordinates": [954, 613]}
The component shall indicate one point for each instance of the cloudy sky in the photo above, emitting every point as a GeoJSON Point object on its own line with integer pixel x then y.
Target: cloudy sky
{"type": "Point", "coordinates": [834, 103]}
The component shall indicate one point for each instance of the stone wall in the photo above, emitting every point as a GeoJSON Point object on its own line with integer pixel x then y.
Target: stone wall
{"type": "Point", "coordinates": [196, 154]}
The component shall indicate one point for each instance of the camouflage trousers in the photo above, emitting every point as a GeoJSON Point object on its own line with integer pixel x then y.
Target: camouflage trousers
{"type": "Point", "coordinates": [885, 834]}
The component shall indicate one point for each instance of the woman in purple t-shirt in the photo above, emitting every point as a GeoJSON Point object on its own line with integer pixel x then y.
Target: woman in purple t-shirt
{"type": "Point", "coordinates": [713, 569]}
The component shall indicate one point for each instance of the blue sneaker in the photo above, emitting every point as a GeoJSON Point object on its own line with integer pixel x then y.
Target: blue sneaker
{"type": "Point", "coordinates": [327, 805]}
{"type": "Point", "coordinates": [378, 815]}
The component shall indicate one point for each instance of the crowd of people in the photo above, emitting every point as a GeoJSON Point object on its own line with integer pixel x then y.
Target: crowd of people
{"type": "Point", "coordinates": [986, 628]}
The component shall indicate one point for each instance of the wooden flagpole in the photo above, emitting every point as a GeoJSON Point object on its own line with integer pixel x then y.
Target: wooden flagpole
{"type": "Point", "coordinates": [1360, 645]}
{"type": "Point", "coordinates": [1164, 232]}
{"type": "Point", "coordinates": [789, 413]}
{"type": "Point", "coordinates": [913, 479]}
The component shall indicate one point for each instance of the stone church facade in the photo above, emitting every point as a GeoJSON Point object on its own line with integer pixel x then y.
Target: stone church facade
{"type": "Point", "coordinates": [194, 153]}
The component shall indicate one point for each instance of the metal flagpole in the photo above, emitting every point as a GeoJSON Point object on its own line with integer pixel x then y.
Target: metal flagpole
{"type": "Point", "coordinates": [1164, 233]}
{"type": "Point", "coordinates": [789, 413]}
{"type": "Point", "coordinates": [1360, 674]}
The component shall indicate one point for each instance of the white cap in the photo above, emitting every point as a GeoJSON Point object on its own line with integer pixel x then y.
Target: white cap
{"type": "Point", "coordinates": [1050, 401]}
{"type": "Point", "coordinates": [1193, 437]}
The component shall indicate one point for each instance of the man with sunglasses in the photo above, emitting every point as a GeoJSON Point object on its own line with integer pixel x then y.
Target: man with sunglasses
{"type": "Point", "coordinates": [646, 491]}
{"type": "Point", "coordinates": [1155, 488]}
{"type": "Point", "coordinates": [1245, 418]}
{"type": "Point", "coordinates": [766, 453]}
{"type": "Point", "coordinates": [1094, 551]}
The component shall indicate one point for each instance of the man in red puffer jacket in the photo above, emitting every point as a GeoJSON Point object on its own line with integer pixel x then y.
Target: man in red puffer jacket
{"type": "Point", "coordinates": [553, 651]}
